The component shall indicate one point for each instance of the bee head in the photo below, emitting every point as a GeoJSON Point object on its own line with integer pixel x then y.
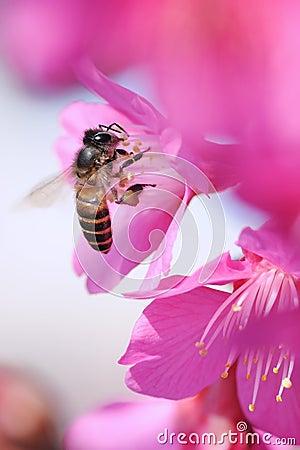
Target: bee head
{"type": "Point", "coordinates": [102, 140]}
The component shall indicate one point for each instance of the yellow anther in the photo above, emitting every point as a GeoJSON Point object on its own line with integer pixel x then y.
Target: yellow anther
{"type": "Point", "coordinates": [286, 383]}
{"type": "Point", "coordinates": [245, 360]}
{"type": "Point", "coordinates": [255, 360]}
{"type": "Point", "coordinates": [236, 308]}
{"type": "Point", "coordinates": [203, 352]}
{"type": "Point", "coordinates": [278, 398]}
{"type": "Point", "coordinates": [136, 148]}
{"type": "Point", "coordinates": [275, 370]}
{"type": "Point", "coordinates": [264, 377]}
{"type": "Point", "coordinates": [224, 375]}
{"type": "Point", "coordinates": [199, 344]}
{"type": "Point", "coordinates": [248, 376]}
{"type": "Point", "coordinates": [251, 407]}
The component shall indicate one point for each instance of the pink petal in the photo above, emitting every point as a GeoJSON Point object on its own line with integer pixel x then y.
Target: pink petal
{"type": "Point", "coordinates": [275, 244]}
{"type": "Point", "coordinates": [221, 271]}
{"type": "Point", "coordinates": [269, 331]}
{"type": "Point", "coordinates": [126, 426]}
{"type": "Point", "coordinates": [280, 419]}
{"type": "Point", "coordinates": [162, 265]}
{"type": "Point", "coordinates": [55, 35]}
{"type": "Point", "coordinates": [269, 170]}
{"type": "Point", "coordinates": [162, 347]}
{"type": "Point", "coordinates": [270, 439]}
{"type": "Point", "coordinates": [78, 117]}
{"type": "Point", "coordinates": [137, 108]}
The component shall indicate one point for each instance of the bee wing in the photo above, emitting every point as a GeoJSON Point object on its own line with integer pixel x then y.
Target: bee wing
{"type": "Point", "coordinates": [49, 191]}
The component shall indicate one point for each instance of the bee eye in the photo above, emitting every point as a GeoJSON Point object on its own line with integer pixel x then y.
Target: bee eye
{"type": "Point", "coordinates": [102, 138]}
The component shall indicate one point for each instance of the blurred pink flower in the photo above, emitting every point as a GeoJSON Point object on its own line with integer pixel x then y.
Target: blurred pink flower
{"type": "Point", "coordinates": [148, 424]}
{"type": "Point", "coordinates": [235, 76]}
{"type": "Point", "coordinates": [42, 40]}
{"type": "Point", "coordinates": [172, 332]}
{"type": "Point", "coordinates": [151, 227]}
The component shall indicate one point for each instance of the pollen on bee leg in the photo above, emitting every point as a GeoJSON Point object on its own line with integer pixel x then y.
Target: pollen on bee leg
{"type": "Point", "coordinates": [125, 143]}
{"type": "Point", "coordinates": [110, 197]}
{"type": "Point", "coordinates": [123, 182]}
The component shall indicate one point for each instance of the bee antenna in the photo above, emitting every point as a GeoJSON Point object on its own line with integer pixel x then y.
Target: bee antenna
{"type": "Point", "coordinates": [111, 127]}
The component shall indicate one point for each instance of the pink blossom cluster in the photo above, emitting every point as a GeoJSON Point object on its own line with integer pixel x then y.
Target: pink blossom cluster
{"type": "Point", "coordinates": [227, 75]}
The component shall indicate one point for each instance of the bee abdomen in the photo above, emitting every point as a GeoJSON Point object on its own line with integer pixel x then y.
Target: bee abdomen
{"type": "Point", "coordinates": [96, 225]}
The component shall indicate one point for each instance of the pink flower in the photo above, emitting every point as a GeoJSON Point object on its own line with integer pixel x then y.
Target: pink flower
{"type": "Point", "coordinates": [152, 226]}
{"type": "Point", "coordinates": [235, 75]}
{"type": "Point", "coordinates": [52, 36]}
{"type": "Point", "coordinates": [155, 423]}
{"type": "Point", "coordinates": [187, 339]}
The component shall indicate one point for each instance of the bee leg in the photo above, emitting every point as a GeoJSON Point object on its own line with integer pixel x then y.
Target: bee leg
{"type": "Point", "coordinates": [121, 152]}
{"type": "Point", "coordinates": [130, 161]}
{"type": "Point", "coordinates": [130, 196]}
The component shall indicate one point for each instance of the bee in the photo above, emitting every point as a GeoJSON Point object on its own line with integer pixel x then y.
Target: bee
{"type": "Point", "coordinates": [97, 169]}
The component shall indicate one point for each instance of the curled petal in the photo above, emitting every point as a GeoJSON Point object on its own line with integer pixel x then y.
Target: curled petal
{"type": "Point", "coordinates": [135, 107]}
{"type": "Point", "coordinates": [223, 270]}
{"type": "Point", "coordinates": [275, 244]}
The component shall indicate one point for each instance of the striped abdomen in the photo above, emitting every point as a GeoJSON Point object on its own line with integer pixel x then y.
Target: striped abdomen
{"type": "Point", "coordinates": [94, 219]}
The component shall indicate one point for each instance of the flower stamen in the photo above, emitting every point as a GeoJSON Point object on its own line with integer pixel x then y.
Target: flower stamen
{"type": "Point", "coordinates": [269, 289]}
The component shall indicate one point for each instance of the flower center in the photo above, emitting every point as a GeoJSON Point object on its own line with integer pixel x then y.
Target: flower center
{"type": "Point", "coordinates": [136, 142]}
{"type": "Point", "coordinates": [268, 290]}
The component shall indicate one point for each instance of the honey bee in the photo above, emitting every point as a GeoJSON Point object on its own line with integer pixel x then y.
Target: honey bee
{"type": "Point", "coordinates": [95, 173]}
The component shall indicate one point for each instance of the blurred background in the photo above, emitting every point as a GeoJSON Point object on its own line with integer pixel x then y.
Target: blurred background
{"type": "Point", "coordinates": [50, 325]}
{"type": "Point", "coordinates": [51, 328]}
